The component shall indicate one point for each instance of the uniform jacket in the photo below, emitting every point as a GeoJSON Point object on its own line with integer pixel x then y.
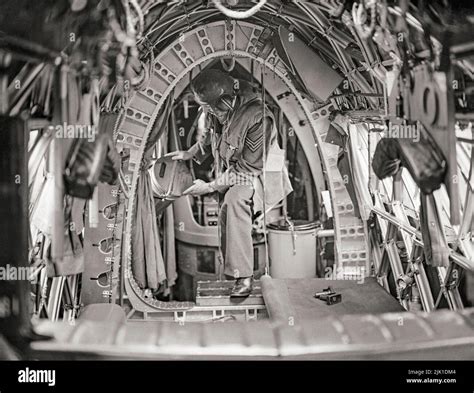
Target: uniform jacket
{"type": "Point", "coordinates": [238, 151]}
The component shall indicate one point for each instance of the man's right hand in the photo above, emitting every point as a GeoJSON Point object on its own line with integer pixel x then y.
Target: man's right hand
{"type": "Point", "coordinates": [180, 155]}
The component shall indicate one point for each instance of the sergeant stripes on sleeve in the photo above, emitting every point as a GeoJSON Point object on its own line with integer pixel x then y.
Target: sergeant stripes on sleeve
{"type": "Point", "coordinates": [254, 138]}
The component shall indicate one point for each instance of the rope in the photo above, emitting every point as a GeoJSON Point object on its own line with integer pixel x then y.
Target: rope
{"type": "Point", "coordinates": [239, 14]}
{"type": "Point", "coordinates": [264, 161]}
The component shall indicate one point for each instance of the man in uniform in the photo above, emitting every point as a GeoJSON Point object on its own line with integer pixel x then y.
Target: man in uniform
{"type": "Point", "coordinates": [239, 166]}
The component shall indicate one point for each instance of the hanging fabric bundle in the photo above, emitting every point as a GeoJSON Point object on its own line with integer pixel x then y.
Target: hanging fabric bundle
{"type": "Point", "coordinates": [148, 266]}
{"type": "Point", "coordinates": [423, 159]}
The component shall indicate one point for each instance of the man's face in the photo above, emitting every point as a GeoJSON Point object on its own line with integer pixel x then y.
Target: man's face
{"type": "Point", "coordinates": [220, 114]}
{"type": "Point", "coordinates": [219, 109]}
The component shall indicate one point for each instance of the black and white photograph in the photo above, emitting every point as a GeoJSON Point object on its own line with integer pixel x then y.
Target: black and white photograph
{"type": "Point", "coordinates": [235, 189]}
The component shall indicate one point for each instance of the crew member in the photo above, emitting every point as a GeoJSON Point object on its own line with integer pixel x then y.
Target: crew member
{"type": "Point", "coordinates": [238, 163]}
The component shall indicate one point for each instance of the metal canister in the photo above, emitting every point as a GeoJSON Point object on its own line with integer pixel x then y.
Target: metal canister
{"type": "Point", "coordinates": [292, 248]}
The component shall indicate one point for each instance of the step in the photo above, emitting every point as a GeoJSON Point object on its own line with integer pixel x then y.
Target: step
{"type": "Point", "coordinates": [223, 284]}
{"type": "Point", "coordinates": [217, 293]}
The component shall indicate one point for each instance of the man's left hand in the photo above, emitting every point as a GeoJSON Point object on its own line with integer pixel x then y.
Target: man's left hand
{"type": "Point", "coordinates": [199, 187]}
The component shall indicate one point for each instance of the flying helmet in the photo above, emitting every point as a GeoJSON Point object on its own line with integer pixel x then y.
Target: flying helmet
{"type": "Point", "coordinates": [215, 89]}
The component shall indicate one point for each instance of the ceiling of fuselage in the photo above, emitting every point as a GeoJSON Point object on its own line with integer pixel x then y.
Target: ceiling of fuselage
{"type": "Point", "coordinates": [328, 27]}
{"type": "Point", "coordinates": [323, 27]}
{"type": "Point", "coordinates": [165, 21]}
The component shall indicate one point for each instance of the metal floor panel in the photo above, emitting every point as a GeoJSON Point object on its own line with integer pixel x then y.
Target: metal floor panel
{"type": "Point", "coordinates": [437, 335]}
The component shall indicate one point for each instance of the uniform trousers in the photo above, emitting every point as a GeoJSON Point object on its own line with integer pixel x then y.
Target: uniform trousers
{"type": "Point", "coordinates": [235, 221]}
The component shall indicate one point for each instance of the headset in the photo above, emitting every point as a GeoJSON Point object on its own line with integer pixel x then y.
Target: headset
{"type": "Point", "coordinates": [224, 102]}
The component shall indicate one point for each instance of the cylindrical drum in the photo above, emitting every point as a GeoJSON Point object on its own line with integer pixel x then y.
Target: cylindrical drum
{"type": "Point", "coordinates": [292, 249]}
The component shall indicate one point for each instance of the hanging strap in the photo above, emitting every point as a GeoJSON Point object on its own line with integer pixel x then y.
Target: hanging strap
{"type": "Point", "coordinates": [264, 162]}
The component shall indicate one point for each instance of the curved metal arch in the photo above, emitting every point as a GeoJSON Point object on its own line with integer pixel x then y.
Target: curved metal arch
{"type": "Point", "coordinates": [298, 16]}
{"type": "Point", "coordinates": [145, 105]}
